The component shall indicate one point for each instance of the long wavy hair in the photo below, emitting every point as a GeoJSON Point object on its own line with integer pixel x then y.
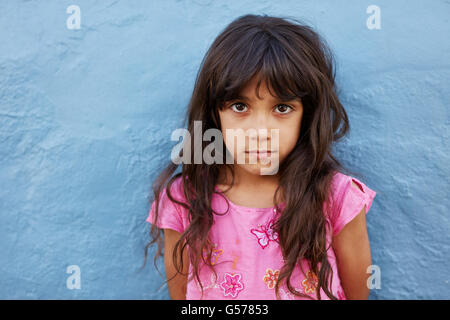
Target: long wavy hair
{"type": "Point", "coordinates": [296, 62]}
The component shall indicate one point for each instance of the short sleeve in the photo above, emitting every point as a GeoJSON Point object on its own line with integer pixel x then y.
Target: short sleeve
{"type": "Point", "coordinates": [353, 195]}
{"type": "Point", "coordinates": [170, 214]}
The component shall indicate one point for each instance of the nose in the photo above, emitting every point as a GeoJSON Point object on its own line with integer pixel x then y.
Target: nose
{"type": "Point", "coordinates": [260, 126]}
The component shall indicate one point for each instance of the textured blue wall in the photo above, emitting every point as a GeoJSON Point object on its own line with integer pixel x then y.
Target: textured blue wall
{"type": "Point", "coordinates": [86, 117]}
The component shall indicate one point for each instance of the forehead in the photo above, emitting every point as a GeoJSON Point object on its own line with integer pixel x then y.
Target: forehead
{"type": "Point", "coordinates": [251, 91]}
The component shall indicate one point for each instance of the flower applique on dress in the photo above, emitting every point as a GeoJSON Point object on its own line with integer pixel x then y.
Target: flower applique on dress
{"type": "Point", "coordinates": [285, 294]}
{"type": "Point", "coordinates": [212, 284]}
{"type": "Point", "coordinates": [215, 254]}
{"type": "Point", "coordinates": [265, 233]}
{"type": "Point", "coordinates": [271, 277]}
{"type": "Point", "coordinates": [235, 260]}
{"type": "Point", "coordinates": [310, 283]}
{"type": "Point", "coordinates": [232, 284]}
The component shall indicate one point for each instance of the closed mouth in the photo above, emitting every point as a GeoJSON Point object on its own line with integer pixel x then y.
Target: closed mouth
{"type": "Point", "coordinates": [260, 151]}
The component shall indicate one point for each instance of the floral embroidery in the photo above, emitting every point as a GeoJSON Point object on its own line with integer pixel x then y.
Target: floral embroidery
{"type": "Point", "coordinates": [213, 283]}
{"type": "Point", "coordinates": [285, 294]}
{"type": "Point", "coordinates": [235, 260]}
{"type": "Point", "coordinates": [271, 277]}
{"type": "Point", "coordinates": [232, 284]}
{"type": "Point", "coordinates": [310, 283]}
{"type": "Point", "coordinates": [265, 234]}
{"type": "Point", "coordinates": [215, 254]}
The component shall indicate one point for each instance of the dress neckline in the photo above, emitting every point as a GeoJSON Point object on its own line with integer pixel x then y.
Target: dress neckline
{"type": "Point", "coordinates": [244, 208]}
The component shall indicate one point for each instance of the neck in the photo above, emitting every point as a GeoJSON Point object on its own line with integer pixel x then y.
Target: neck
{"type": "Point", "coordinates": [245, 180]}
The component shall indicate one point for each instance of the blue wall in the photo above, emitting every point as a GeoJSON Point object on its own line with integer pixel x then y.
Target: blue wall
{"type": "Point", "coordinates": [86, 117]}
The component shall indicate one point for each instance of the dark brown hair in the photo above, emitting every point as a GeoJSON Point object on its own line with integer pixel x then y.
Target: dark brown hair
{"type": "Point", "coordinates": [295, 61]}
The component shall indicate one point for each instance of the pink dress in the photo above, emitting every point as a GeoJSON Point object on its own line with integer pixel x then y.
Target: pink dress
{"type": "Point", "coordinates": [247, 256]}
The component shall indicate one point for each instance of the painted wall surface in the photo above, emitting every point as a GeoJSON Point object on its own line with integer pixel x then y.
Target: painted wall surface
{"type": "Point", "coordinates": [86, 116]}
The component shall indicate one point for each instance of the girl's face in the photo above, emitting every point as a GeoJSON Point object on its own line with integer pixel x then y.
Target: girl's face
{"type": "Point", "coordinates": [267, 113]}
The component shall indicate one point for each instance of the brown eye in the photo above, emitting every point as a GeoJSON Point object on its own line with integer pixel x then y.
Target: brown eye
{"type": "Point", "coordinates": [239, 107]}
{"type": "Point", "coordinates": [284, 108]}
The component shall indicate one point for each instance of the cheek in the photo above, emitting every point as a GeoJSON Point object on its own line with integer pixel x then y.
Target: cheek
{"type": "Point", "coordinates": [288, 138]}
{"type": "Point", "coordinates": [227, 122]}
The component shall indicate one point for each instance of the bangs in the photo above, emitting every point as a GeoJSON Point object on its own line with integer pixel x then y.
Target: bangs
{"type": "Point", "coordinates": [263, 56]}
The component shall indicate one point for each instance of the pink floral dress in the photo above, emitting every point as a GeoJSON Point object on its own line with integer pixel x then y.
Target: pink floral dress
{"type": "Point", "coordinates": [247, 255]}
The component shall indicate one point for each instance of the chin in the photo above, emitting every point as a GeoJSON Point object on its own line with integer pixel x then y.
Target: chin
{"type": "Point", "coordinates": [260, 169]}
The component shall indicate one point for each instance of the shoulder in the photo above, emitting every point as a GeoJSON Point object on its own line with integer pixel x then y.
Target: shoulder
{"type": "Point", "coordinates": [342, 183]}
{"type": "Point", "coordinates": [171, 214]}
{"type": "Point", "coordinates": [349, 195]}
{"type": "Point", "coordinates": [338, 181]}
{"type": "Point", "coordinates": [172, 189]}
{"type": "Point", "coordinates": [176, 191]}
{"type": "Point", "coordinates": [338, 187]}
{"type": "Point", "coordinates": [176, 188]}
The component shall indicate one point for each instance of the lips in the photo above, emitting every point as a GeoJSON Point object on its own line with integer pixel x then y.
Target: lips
{"type": "Point", "coordinates": [260, 151]}
{"type": "Point", "coordinates": [260, 154]}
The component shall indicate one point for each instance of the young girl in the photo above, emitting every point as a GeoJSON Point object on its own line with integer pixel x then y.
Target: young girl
{"type": "Point", "coordinates": [232, 232]}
